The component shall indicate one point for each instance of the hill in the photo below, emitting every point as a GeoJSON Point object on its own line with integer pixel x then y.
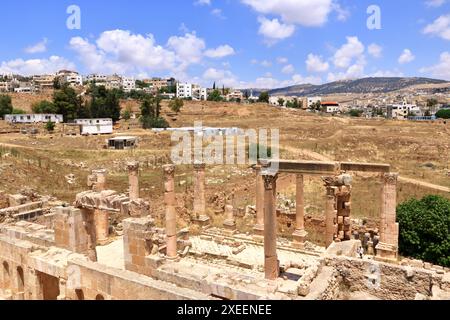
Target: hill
{"type": "Point", "coordinates": [365, 85]}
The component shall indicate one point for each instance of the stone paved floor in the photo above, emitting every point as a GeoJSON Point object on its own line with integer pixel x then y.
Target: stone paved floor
{"type": "Point", "coordinates": [112, 254]}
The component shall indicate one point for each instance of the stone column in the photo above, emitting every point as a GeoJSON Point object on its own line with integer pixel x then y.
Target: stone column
{"type": "Point", "coordinates": [101, 218]}
{"type": "Point", "coordinates": [300, 233]}
{"type": "Point", "coordinates": [271, 263]}
{"type": "Point", "coordinates": [330, 215]}
{"type": "Point", "coordinates": [199, 194]}
{"type": "Point", "coordinates": [259, 226]}
{"type": "Point", "coordinates": [229, 222]}
{"type": "Point", "coordinates": [171, 217]}
{"type": "Point", "coordinates": [387, 248]}
{"type": "Point", "coordinates": [133, 178]}
{"type": "Point", "coordinates": [100, 184]}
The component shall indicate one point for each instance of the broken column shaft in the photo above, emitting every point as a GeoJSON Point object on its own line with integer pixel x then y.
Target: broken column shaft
{"type": "Point", "coordinates": [300, 233]}
{"type": "Point", "coordinates": [133, 177]}
{"type": "Point", "coordinates": [199, 194]}
{"type": "Point", "coordinates": [171, 218]}
{"type": "Point", "coordinates": [259, 225]}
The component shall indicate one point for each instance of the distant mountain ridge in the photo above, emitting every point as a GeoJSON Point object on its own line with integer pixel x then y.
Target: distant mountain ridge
{"type": "Point", "coordinates": [365, 85]}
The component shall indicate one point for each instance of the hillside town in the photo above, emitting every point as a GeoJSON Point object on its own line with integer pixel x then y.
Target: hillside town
{"type": "Point", "coordinates": [409, 104]}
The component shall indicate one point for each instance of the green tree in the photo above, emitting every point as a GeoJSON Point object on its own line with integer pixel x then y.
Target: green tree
{"type": "Point", "coordinates": [432, 102]}
{"type": "Point", "coordinates": [215, 96]}
{"type": "Point", "coordinates": [443, 114]}
{"type": "Point", "coordinates": [264, 97]}
{"type": "Point", "coordinates": [281, 102]}
{"type": "Point", "coordinates": [126, 114]}
{"type": "Point", "coordinates": [5, 105]}
{"type": "Point", "coordinates": [105, 103]}
{"type": "Point", "coordinates": [355, 113]}
{"type": "Point", "coordinates": [18, 111]}
{"type": "Point", "coordinates": [150, 114]}
{"type": "Point", "coordinates": [67, 103]}
{"type": "Point", "coordinates": [176, 105]}
{"type": "Point", "coordinates": [44, 106]}
{"type": "Point", "coordinates": [50, 126]}
{"type": "Point", "coordinates": [425, 229]}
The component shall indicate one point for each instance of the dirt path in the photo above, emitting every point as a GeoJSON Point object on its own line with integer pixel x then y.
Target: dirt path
{"type": "Point", "coordinates": [424, 184]}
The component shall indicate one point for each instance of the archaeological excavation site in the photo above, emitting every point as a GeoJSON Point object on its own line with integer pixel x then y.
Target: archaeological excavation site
{"type": "Point", "coordinates": [111, 245]}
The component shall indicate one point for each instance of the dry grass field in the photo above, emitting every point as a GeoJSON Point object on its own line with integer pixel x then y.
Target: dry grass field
{"type": "Point", "coordinates": [417, 151]}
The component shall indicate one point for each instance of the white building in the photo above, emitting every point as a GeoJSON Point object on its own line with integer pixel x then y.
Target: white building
{"type": "Point", "coordinates": [402, 111]}
{"type": "Point", "coordinates": [71, 77]}
{"type": "Point", "coordinates": [199, 93]}
{"type": "Point", "coordinates": [184, 90]}
{"type": "Point", "coordinates": [33, 118]}
{"type": "Point", "coordinates": [95, 126]}
{"type": "Point", "coordinates": [312, 100]}
{"type": "Point", "coordinates": [128, 84]}
{"type": "Point", "coordinates": [235, 95]}
{"type": "Point", "coordinates": [96, 78]}
{"type": "Point", "coordinates": [4, 86]}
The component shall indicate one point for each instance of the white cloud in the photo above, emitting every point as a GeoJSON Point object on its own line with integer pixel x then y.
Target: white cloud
{"type": "Point", "coordinates": [120, 51]}
{"type": "Point", "coordinates": [266, 63]}
{"type": "Point", "coordinates": [375, 50]}
{"type": "Point", "coordinates": [349, 51]}
{"type": "Point", "coordinates": [441, 69]}
{"type": "Point", "coordinates": [289, 69]}
{"type": "Point", "coordinates": [342, 13]}
{"type": "Point", "coordinates": [387, 73]}
{"type": "Point", "coordinates": [189, 48]}
{"type": "Point", "coordinates": [254, 61]}
{"type": "Point", "coordinates": [218, 13]}
{"type": "Point", "coordinates": [221, 77]}
{"type": "Point", "coordinates": [314, 63]}
{"type": "Point", "coordinates": [202, 3]}
{"type": "Point", "coordinates": [274, 30]}
{"type": "Point", "coordinates": [406, 57]}
{"type": "Point", "coordinates": [434, 3]}
{"type": "Point", "coordinates": [39, 47]}
{"type": "Point", "coordinates": [282, 60]}
{"type": "Point", "coordinates": [36, 66]}
{"type": "Point", "coordinates": [220, 52]}
{"type": "Point", "coordinates": [309, 13]}
{"type": "Point", "coordinates": [440, 27]}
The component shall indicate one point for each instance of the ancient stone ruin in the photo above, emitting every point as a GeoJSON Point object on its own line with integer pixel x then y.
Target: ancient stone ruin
{"type": "Point", "coordinates": [56, 251]}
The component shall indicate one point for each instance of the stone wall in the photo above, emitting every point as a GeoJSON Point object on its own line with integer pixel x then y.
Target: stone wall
{"type": "Point", "coordinates": [383, 280]}
{"type": "Point", "coordinates": [98, 282]}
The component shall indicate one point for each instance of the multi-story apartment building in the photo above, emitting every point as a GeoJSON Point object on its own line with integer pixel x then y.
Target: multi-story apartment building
{"type": "Point", "coordinates": [98, 78]}
{"type": "Point", "coordinates": [236, 95]}
{"type": "Point", "coordinates": [199, 93]}
{"type": "Point", "coordinates": [44, 82]}
{"type": "Point", "coordinates": [72, 78]}
{"type": "Point", "coordinates": [113, 82]}
{"type": "Point", "coordinates": [4, 86]}
{"type": "Point", "coordinates": [128, 84]}
{"type": "Point", "coordinates": [184, 90]}
{"type": "Point", "coordinates": [402, 111]}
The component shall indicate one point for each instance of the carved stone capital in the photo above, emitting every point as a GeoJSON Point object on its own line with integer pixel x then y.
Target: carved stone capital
{"type": "Point", "coordinates": [390, 178]}
{"type": "Point", "coordinates": [133, 166]}
{"type": "Point", "coordinates": [270, 181]}
{"type": "Point", "coordinates": [169, 169]}
{"type": "Point", "coordinates": [199, 166]}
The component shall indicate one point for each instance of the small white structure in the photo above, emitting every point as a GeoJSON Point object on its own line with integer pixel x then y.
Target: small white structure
{"type": "Point", "coordinates": [95, 126]}
{"type": "Point", "coordinates": [33, 118]}
{"type": "Point", "coordinates": [122, 143]}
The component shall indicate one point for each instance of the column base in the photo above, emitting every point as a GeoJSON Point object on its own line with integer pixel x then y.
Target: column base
{"type": "Point", "coordinates": [300, 235]}
{"type": "Point", "coordinates": [230, 225]}
{"type": "Point", "coordinates": [258, 230]}
{"type": "Point", "coordinates": [386, 252]}
{"type": "Point", "coordinates": [202, 221]}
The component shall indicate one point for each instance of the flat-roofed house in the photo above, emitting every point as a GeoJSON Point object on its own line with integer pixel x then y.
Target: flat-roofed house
{"type": "Point", "coordinates": [95, 126]}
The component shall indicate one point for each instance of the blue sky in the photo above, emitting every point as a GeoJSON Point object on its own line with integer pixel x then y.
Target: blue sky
{"type": "Point", "coordinates": [239, 43]}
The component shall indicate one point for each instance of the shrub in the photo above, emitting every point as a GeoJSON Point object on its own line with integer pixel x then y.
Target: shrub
{"type": "Point", "coordinates": [425, 229]}
{"type": "Point", "coordinates": [443, 114]}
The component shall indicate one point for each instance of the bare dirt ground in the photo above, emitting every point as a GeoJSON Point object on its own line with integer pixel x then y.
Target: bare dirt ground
{"type": "Point", "coordinates": [420, 152]}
